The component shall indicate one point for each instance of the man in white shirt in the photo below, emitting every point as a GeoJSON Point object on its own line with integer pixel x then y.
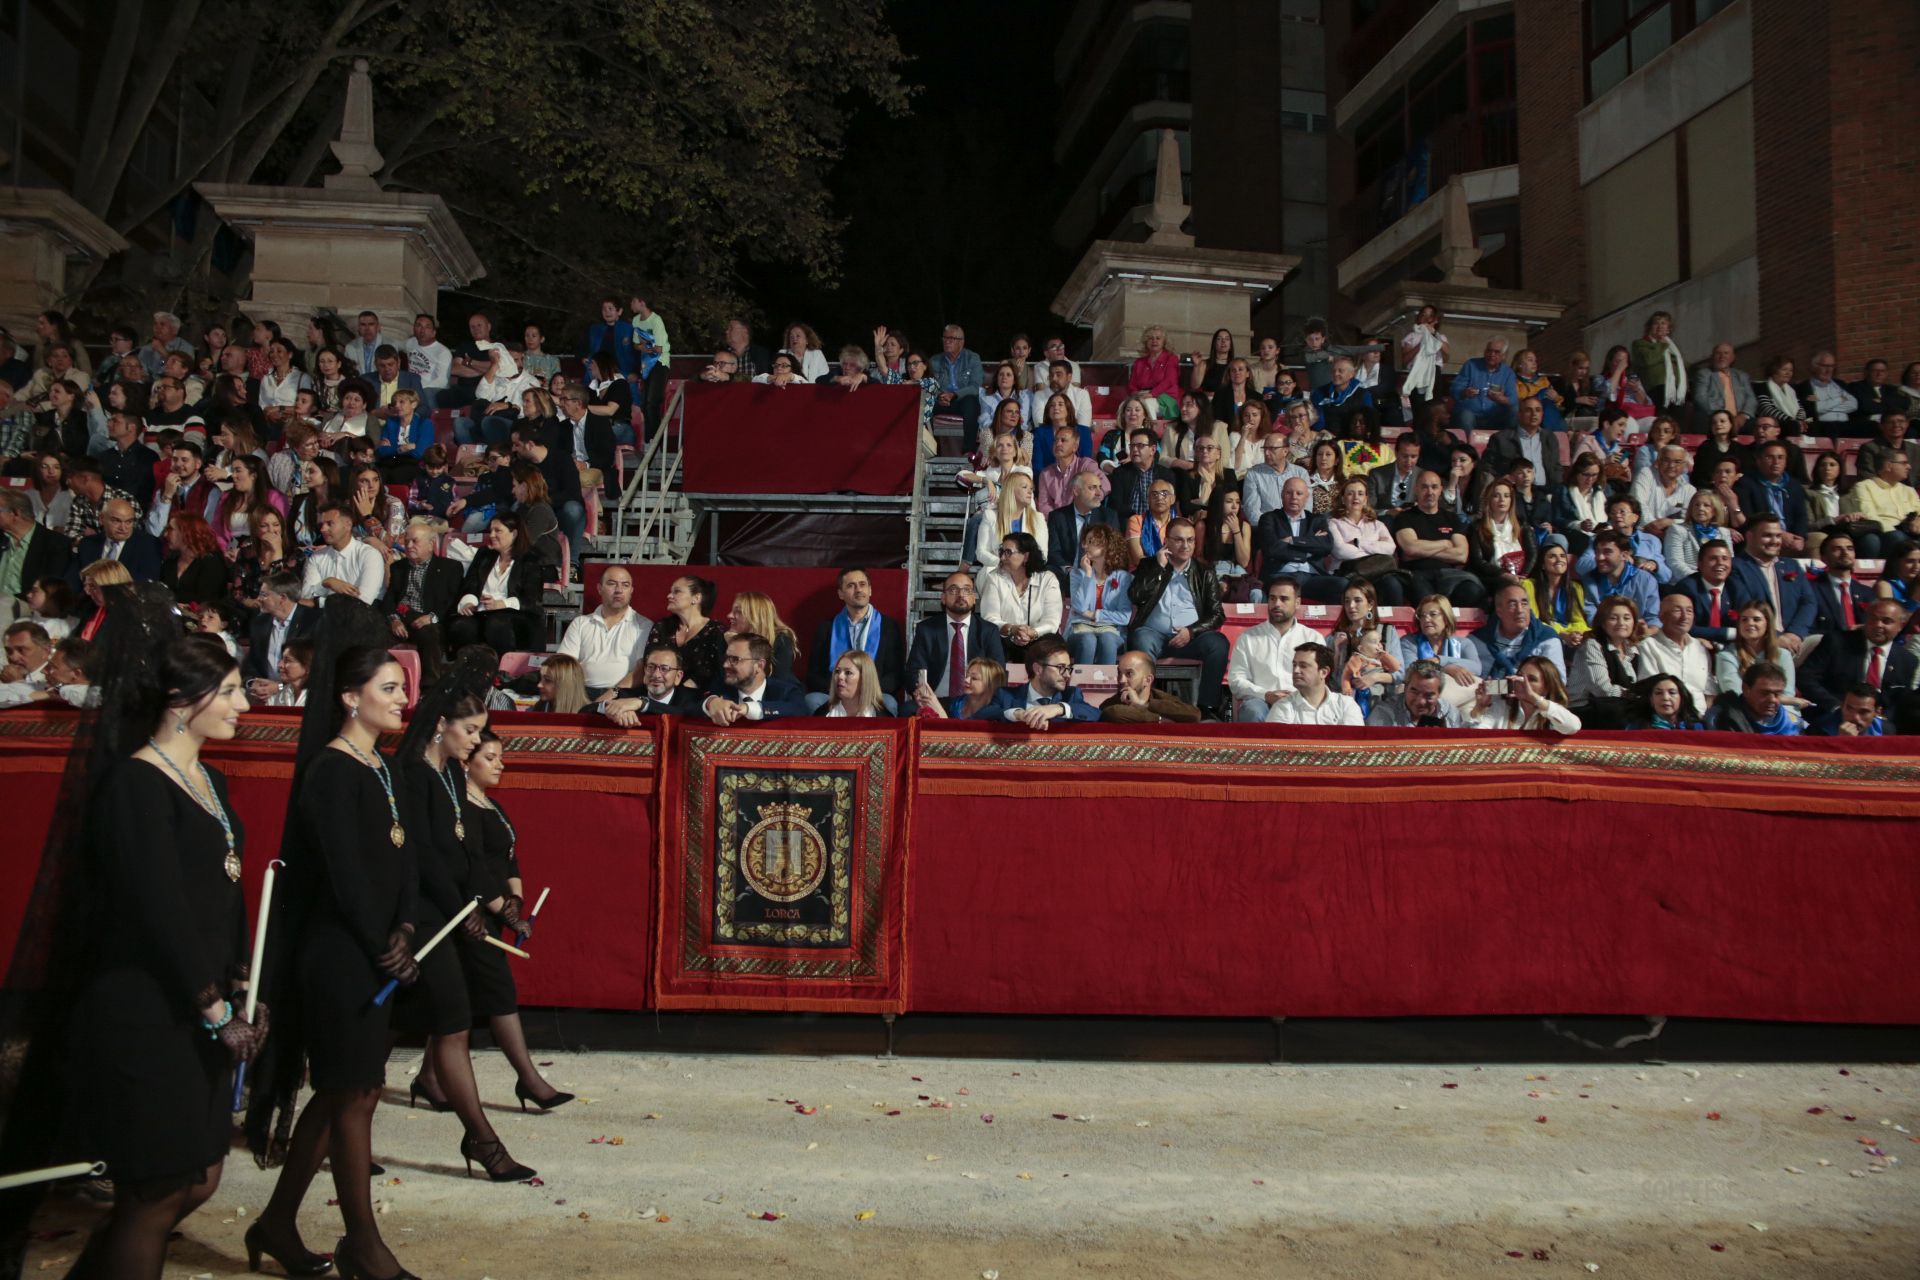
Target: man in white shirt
{"type": "Point", "coordinates": [1312, 701]}
{"type": "Point", "coordinates": [609, 641]}
{"type": "Point", "coordinates": [29, 649]}
{"type": "Point", "coordinates": [1671, 651]}
{"type": "Point", "coordinates": [1059, 383]}
{"type": "Point", "coordinates": [429, 359]}
{"type": "Point", "coordinates": [1832, 402]}
{"type": "Point", "coordinates": [345, 565]}
{"type": "Point", "coordinates": [1260, 672]}
{"type": "Point", "coordinates": [1663, 490]}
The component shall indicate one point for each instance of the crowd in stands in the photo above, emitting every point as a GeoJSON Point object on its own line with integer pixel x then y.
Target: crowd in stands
{"type": "Point", "coordinates": [1652, 541]}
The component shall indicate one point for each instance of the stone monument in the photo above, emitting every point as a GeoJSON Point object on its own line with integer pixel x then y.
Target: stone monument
{"type": "Point", "coordinates": [1121, 287]}
{"type": "Point", "coordinates": [347, 246]}
{"type": "Point", "coordinates": [43, 233]}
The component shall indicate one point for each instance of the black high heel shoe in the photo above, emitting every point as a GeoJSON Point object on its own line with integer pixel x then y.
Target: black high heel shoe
{"type": "Point", "coordinates": [304, 1263]}
{"type": "Point", "coordinates": [494, 1160]}
{"type": "Point", "coordinates": [415, 1093]}
{"type": "Point", "coordinates": [558, 1099]}
{"type": "Point", "coordinates": [352, 1270]}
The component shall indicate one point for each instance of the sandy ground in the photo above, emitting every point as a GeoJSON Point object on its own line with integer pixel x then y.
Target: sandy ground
{"type": "Point", "coordinates": [666, 1165]}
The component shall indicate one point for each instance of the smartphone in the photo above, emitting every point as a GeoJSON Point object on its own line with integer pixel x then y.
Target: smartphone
{"type": "Point", "coordinates": [919, 677]}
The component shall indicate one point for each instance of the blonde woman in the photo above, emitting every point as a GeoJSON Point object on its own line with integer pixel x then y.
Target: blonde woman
{"type": "Point", "coordinates": [1015, 512]}
{"type": "Point", "coordinates": [985, 678]}
{"type": "Point", "coordinates": [563, 686]}
{"type": "Point", "coordinates": [755, 614]}
{"type": "Point", "coordinates": [856, 688]}
{"type": "Point", "coordinates": [1134, 413]}
{"type": "Point", "coordinates": [1156, 373]}
{"type": "Point", "coordinates": [1706, 521]}
{"type": "Point", "coordinates": [96, 580]}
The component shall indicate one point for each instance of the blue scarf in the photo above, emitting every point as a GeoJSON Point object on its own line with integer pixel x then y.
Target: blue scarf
{"type": "Point", "coordinates": [1530, 642]}
{"type": "Point", "coordinates": [1780, 724]}
{"type": "Point", "coordinates": [843, 635]}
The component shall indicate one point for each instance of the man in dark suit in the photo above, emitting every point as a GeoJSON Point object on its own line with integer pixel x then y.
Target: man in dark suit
{"type": "Point", "coordinates": [661, 692]}
{"type": "Point", "coordinates": [281, 620]}
{"type": "Point", "coordinates": [1295, 543]}
{"type": "Point", "coordinates": [28, 552]}
{"type": "Point", "coordinates": [1065, 525]}
{"type": "Point", "coordinates": [1772, 491]}
{"type": "Point", "coordinates": [1715, 593]}
{"type": "Point", "coordinates": [388, 378]}
{"type": "Point", "coordinates": [746, 691]}
{"type": "Point", "coordinates": [858, 625]}
{"type": "Point", "coordinates": [1128, 497]}
{"type": "Point", "coordinates": [1761, 573]}
{"type": "Point", "coordinates": [945, 642]}
{"type": "Point", "coordinates": [423, 591]}
{"type": "Point", "coordinates": [120, 538]}
{"type": "Point", "coordinates": [1839, 599]}
{"type": "Point", "coordinates": [1048, 694]}
{"type": "Point", "coordinates": [1527, 440]}
{"type": "Point", "coordinates": [1872, 655]}
{"type": "Point", "coordinates": [1390, 489]}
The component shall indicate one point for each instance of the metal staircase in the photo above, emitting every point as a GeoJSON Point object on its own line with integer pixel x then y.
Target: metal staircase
{"type": "Point", "coordinates": [937, 549]}
{"type": "Point", "coordinates": [654, 523]}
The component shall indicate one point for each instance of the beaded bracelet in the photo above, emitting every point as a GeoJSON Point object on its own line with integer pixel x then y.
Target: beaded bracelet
{"type": "Point", "coordinates": [226, 1016]}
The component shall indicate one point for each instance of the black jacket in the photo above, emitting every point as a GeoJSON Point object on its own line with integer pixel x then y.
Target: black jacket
{"type": "Point", "coordinates": [131, 471]}
{"type": "Point", "coordinates": [141, 555]}
{"type": "Point", "coordinates": [439, 594]}
{"type": "Point", "coordinates": [1841, 660]}
{"type": "Point", "coordinates": [1123, 479]}
{"type": "Point", "coordinates": [1063, 543]}
{"type": "Point", "coordinates": [1504, 449]}
{"type": "Point", "coordinates": [304, 622]}
{"type": "Point", "coordinates": [1279, 547]}
{"type": "Point", "coordinates": [1829, 615]}
{"type": "Point", "coordinates": [933, 636]}
{"type": "Point", "coordinates": [682, 702]}
{"type": "Point", "coordinates": [1150, 583]}
{"type": "Point", "coordinates": [893, 647]}
{"type": "Point", "coordinates": [48, 554]}
{"type": "Point", "coordinates": [525, 582]}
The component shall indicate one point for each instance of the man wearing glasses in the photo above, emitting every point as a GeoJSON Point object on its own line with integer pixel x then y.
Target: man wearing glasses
{"type": "Point", "coordinates": [747, 691]}
{"type": "Point", "coordinates": [1831, 400]}
{"type": "Point", "coordinates": [1048, 695]}
{"type": "Point", "coordinates": [661, 674]}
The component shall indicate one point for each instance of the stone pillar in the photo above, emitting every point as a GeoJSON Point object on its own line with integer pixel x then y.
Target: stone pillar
{"type": "Point", "coordinates": [43, 233]}
{"type": "Point", "coordinates": [350, 246]}
{"type": "Point", "coordinates": [1120, 288]}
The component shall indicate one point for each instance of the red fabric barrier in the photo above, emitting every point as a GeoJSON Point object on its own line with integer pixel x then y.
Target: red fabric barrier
{"type": "Point", "coordinates": [800, 439]}
{"type": "Point", "coordinates": [578, 790]}
{"type": "Point", "coordinates": [1052, 886]}
{"type": "Point", "coordinates": [804, 597]}
{"type": "Point", "coordinates": [1212, 871]}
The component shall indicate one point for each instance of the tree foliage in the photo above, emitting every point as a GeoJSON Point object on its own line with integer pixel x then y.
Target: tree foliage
{"type": "Point", "coordinates": [587, 146]}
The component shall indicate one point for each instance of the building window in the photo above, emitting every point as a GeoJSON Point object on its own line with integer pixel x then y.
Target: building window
{"type": "Point", "coordinates": [1624, 35]}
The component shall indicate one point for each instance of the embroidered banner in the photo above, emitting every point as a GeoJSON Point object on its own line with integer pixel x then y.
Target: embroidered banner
{"type": "Point", "coordinates": [782, 867]}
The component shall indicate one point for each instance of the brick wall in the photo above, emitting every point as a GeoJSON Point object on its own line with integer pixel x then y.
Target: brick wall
{"type": "Point", "coordinates": [1872, 204]}
{"type": "Point", "coordinates": [1550, 90]}
{"type": "Point", "coordinates": [1793, 210]}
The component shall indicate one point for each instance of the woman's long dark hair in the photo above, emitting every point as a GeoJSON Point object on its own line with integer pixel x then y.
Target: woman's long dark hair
{"type": "Point", "coordinates": [349, 648]}
{"type": "Point", "coordinates": [147, 664]}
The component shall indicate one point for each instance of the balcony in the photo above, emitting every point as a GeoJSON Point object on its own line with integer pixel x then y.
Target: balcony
{"type": "Point", "coordinates": [1489, 139]}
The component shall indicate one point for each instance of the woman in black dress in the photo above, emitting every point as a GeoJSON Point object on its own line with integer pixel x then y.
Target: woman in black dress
{"type": "Point", "coordinates": [158, 1028]}
{"type": "Point", "coordinates": [496, 871]}
{"type": "Point", "coordinates": [699, 639]}
{"type": "Point", "coordinates": [446, 727]}
{"type": "Point", "coordinates": [344, 923]}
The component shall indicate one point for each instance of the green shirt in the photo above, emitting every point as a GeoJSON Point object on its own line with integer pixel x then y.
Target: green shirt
{"type": "Point", "coordinates": [12, 562]}
{"type": "Point", "coordinates": [657, 330]}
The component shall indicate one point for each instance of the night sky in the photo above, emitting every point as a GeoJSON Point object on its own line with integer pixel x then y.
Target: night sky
{"type": "Point", "coordinates": [949, 210]}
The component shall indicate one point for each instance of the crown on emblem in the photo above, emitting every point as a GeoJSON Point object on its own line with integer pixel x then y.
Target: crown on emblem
{"type": "Point", "coordinates": [786, 812]}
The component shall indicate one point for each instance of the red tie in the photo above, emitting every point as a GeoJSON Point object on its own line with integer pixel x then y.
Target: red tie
{"type": "Point", "coordinates": [1873, 668]}
{"type": "Point", "coordinates": [1846, 603]}
{"type": "Point", "coordinates": [1713, 614]}
{"type": "Point", "coordinates": [957, 661]}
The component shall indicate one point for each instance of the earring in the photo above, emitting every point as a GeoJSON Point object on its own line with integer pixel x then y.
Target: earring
{"type": "Point", "coordinates": [353, 713]}
{"type": "Point", "coordinates": [437, 737]}
{"type": "Point", "coordinates": [180, 724]}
